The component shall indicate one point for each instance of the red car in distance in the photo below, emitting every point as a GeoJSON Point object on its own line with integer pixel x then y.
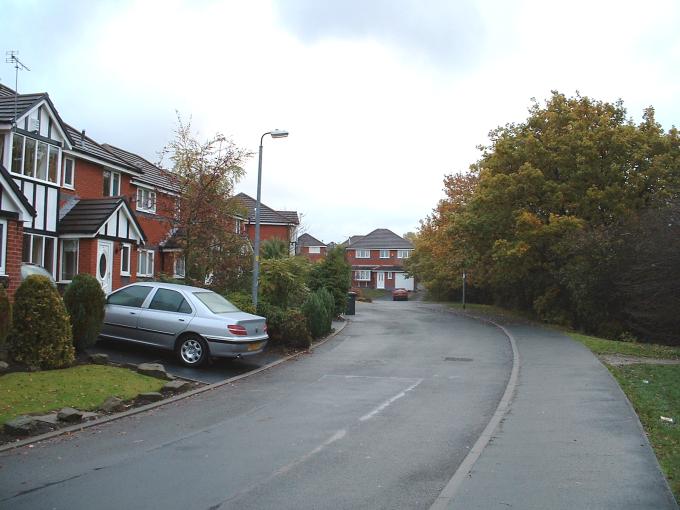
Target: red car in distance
{"type": "Point", "coordinates": [399, 295]}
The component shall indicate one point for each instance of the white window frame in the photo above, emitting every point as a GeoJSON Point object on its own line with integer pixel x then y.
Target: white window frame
{"type": "Point", "coordinates": [176, 274]}
{"type": "Point", "coordinates": [140, 199]}
{"type": "Point", "coordinates": [3, 247]}
{"type": "Point", "coordinates": [72, 184]}
{"type": "Point", "coordinates": [315, 249]}
{"type": "Point", "coordinates": [114, 176]}
{"type": "Point", "coordinates": [362, 275]}
{"type": "Point", "coordinates": [362, 254]}
{"type": "Point", "coordinates": [237, 226]}
{"type": "Point", "coordinates": [389, 275]}
{"type": "Point", "coordinates": [145, 254]}
{"type": "Point", "coordinates": [61, 258]}
{"type": "Point", "coordinates": [123, 270]}
{"type": "Point", "coordinates": [403, 254]}
{"type": "Point", "coordinates": [384, 254]}
{"type": "Point", "coordinates": [22, 170]}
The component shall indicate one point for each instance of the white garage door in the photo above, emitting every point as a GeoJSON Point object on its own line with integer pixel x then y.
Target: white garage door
{"type": "Point", "coordinates": [401, 282]}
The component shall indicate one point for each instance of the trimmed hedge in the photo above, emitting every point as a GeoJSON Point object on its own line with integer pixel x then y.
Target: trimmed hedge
{"type": "Point", "coordinates": [294, 329]}
{"type": "Point", "coordinates": [41, 331]}
{"type": "Point", "coordinates": [85, 301]}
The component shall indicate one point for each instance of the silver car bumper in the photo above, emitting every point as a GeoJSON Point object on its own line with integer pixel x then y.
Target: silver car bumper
{"type": "Point", "coordinates": [231, 348]}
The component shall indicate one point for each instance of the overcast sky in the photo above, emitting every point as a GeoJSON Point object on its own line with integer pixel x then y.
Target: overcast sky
{"type": "Point", "coordinates": [382, 98]}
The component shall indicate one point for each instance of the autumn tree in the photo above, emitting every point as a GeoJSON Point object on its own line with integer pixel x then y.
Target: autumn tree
{"type": "Point", "coordinates": [540, 230]}
{"type": "Point", "coordinates": [204, 220]}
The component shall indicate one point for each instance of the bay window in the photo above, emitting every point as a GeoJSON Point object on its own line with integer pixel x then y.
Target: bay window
{"type": "Point", "coordinates": [39, 250]}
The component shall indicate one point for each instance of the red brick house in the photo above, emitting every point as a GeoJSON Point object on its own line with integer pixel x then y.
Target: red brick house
{"type": "Point", "coordinates": [74, 206]}
{"type": "Point", "coordinates": [311, 248]}
{"type": "Point", "coordinates": [377, 260]}
{"type": "Point", "coordinates": [273, 224]}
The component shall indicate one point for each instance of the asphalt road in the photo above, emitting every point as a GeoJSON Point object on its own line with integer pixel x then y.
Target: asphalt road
{"type": "Point", "coordinates": [379, 417]}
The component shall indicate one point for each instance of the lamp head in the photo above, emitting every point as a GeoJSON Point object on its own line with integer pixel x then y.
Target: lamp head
{"type": "Point", "coordinates": [279, 133]}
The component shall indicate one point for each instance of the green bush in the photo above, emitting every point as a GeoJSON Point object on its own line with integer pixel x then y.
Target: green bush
{"type": "Point", "coordinates": [241, 300]}
{"type": "Point", "coordinates": [5, 315]}
{"type": "Point", "coordinates": [319, 312]}
{"type": "Point", "coordinates": [329, 305]}
{"type": "Point", "coordinates": [275, 317]}
{"type": "Point", "coordinates": [283, 281]}
{"type": "Point", "coordinates": [41, 331]}
{"type": "Point", "coordinates": [85, 301]}
{"type": "Point", "coordinates": [334, 274]}
{"type": "Point", "coordinates": [295, 331]}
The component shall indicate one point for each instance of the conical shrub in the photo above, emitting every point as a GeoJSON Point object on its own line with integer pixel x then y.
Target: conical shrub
{"type": "Point", "coordinates": [41, 331]}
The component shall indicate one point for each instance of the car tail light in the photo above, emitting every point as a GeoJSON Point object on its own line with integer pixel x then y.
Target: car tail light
{"type": "Point", "coordinates": [237, 329]}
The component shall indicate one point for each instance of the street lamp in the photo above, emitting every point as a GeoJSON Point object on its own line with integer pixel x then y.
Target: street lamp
{"type": "Point", "coordinates": [276, 133]}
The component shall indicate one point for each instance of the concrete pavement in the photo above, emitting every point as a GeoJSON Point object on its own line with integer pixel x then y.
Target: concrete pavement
{"type": "Point", "coordinates": [570, 440]}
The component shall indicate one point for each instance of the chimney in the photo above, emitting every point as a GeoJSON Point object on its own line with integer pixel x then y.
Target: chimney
{"type": "Point", "coordinates": [82, 137]}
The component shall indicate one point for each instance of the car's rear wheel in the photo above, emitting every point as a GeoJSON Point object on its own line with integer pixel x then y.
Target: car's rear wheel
{"type": "Point", "coordinates": [192, 351]}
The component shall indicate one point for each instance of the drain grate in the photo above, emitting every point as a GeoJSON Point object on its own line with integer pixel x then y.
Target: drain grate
{"type": "Point", "coordinates": [453, 358]}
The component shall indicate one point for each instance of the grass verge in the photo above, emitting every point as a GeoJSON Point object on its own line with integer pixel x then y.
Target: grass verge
{"type": "Point", "coordinates": [602, 346]}
{"type": "Point", "coordinates": [654, 391]}
{"type": "Point", "coordinates": [83, 387]}
{"type": "Point", "coordinates": [659, 396]}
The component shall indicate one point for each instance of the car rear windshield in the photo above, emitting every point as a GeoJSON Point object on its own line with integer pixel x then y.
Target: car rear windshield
{"type": "Point", "coordinates": [215, 302]}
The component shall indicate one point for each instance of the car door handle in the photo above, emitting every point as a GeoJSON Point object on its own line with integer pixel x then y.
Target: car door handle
{"type": "Point", "coordinates": [181, 320]}
{"type": "Point", "coordinates": [133, 313]}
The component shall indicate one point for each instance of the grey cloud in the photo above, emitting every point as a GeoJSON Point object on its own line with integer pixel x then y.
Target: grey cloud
{"type": "Point", "coordinates": [448, 33]}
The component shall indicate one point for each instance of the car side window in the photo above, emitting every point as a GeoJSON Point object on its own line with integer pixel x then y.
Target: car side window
{"type": "Point", "coordinates": [130, 296]}
{"type": "Point", "coordinates": [169, 301]}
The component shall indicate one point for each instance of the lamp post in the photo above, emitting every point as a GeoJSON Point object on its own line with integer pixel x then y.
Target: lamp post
{"type": "Point", "coordinates": [276, 133]}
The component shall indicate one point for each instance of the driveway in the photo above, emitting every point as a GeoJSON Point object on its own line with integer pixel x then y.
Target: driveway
{"type": "Point", "coordinates": [218, 369]}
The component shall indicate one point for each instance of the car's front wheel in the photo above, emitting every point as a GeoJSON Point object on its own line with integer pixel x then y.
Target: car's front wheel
{"type": "Point", "coordinates": [192, 350]}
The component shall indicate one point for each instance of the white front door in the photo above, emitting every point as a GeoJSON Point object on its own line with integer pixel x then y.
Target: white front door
{"type": "Point", "coordinates": [105, 264]}
{"type": "Point", "coordinates": [380, 281]}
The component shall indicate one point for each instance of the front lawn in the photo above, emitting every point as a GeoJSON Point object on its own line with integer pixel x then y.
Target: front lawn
{"type": "Point", "coordinates": [83, 387]}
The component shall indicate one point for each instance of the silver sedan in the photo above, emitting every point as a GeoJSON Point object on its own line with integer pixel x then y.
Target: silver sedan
{"type": "Point", "coordinates": [195, 323]}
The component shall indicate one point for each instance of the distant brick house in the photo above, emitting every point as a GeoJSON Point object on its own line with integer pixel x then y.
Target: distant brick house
{"type": "Point", "coordinates": [273, 224]}
{"type": "Point", "coordinates": [311, 248]}
{"type": "Point", "coordinates": [377, 260]}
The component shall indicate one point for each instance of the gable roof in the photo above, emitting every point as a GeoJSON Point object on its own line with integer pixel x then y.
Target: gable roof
{"type": "Point", "coordinates": [151, 174]}
{"type": "Point", "coordinates": [307, 240]}
{"type": "Point", "coordinates": [267, 214]}
{"type": "Point", "coordinates": [87, 217]}
{"type": "Point", "coordinates": [8, 185]}
{"type": "Point", "coordinates": [24, 102]}
{"type": "Point", "coordinates": [380, 238]}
